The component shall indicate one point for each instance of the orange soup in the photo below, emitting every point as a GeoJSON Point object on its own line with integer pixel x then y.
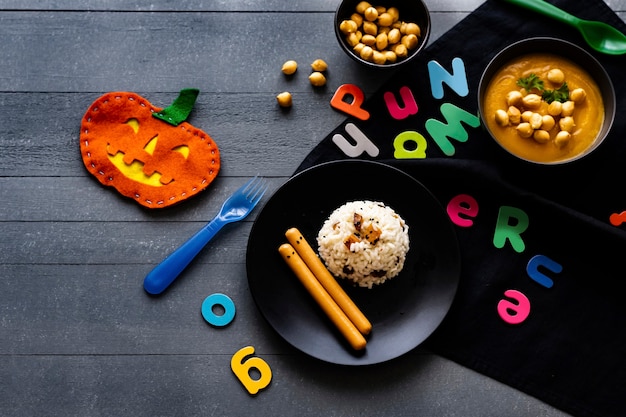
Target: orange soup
{"type": "Point", "coordinates": [543, 108]}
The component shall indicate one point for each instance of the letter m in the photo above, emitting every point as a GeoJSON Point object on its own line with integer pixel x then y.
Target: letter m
{"type": "Point", "coordinates": [440, 131]}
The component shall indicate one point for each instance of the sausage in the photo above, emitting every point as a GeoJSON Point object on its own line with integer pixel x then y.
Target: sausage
{"type": "Point", "coordinates": [331, 285]}
{"type": "Point", "coordinates": [323, 299]}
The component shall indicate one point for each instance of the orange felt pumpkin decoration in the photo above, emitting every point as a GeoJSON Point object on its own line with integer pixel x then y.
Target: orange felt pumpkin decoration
{"type": "Point", "coordinates": [154, 162]}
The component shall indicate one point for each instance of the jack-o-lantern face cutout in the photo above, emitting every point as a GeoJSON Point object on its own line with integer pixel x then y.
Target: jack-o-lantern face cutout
{"type": "Point", "coordinates": [153, 162]}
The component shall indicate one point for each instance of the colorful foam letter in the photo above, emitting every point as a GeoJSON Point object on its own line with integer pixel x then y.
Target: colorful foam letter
{"type": "Point", "coordinates": [362, 142]}
{"type": "Point", "coordinates": [352, 107]}
{"type": "Point", "coordinates": [514, 312]}
{"type": "Point", "coordinates": [400, 148]}
{"type": "Point", "coordinates": [505, 229]}
{"type": "Point", "coordinates": [533, 269]}
{"type": "Point", "coordinates": [397, 112]}
{"type": "Point", "coordinates": [438, 75]}
{"type": "Point", "coordinates": [221, 300]}
{"type": "Point", "coordinates": [241, 369]}
{"type": "Point", "coordinates": [441, 131]}
{"type": "Point", "coordinates": [462, 204]}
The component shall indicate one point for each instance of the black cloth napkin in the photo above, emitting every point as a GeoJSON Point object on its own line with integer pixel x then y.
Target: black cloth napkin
{"type": "Point", "coordinates": [571, 349]}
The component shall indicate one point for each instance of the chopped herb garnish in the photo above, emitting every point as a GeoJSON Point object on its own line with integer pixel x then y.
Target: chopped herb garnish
{"type": "Point", "coordinates": [531, 82]}
{"type": "Point", "coordinates": [560, 94]}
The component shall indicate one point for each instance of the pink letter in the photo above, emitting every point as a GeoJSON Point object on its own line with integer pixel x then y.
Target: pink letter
{"type": "Point", "coordinates": [397, 112]}
{"type": "Point", "coordinates": [514, 313]}
{"type": "Point", "coordinates": [465, 204]}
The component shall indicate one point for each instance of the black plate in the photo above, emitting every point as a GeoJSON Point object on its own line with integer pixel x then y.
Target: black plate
{"type": "Point", "coordinates": [403, 311]}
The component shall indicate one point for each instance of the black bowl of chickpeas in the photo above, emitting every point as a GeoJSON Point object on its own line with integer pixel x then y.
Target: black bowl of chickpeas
{"type": "Point", "coordinates": [382, 34]}
{"type": "Point", "coordinates": [546, 101]}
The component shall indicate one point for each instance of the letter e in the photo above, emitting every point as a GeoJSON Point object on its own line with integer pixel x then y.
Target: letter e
{"type": "Point", "coordinates": [462, 204]}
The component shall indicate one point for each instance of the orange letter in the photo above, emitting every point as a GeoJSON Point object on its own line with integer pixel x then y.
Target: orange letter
{"type": "Point", "coordinates": [353, 108]}
{"type": "Point", "coordinates": [242, 368]}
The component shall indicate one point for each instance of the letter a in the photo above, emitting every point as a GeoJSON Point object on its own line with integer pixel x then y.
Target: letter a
{"type": "Point", "coordinates": [241, 368]}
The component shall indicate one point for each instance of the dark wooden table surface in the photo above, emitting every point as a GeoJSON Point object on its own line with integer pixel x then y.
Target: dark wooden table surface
{"type": "Point", "coordinates": [78, 334]}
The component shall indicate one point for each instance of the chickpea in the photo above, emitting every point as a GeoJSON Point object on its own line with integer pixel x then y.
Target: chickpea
{"type": "Point", "coordinates": [535, 120]}
{"type": "Point", "coordinates": [548, 122]}
{"type": "Point", "coordinates": [385, 19]}
{"type": "Point", "coordinates": [362, 6]}
{"type": "Point", "coordinates": [532, 101]}
{"type": "Point", "coordinates": [395, 14]}
{"type": "Point", "coordinates": [378, 57]}
{"type": "Point", "coordinates": [502, 118]}
{"type": "Point", "coordinates": [562, 138]}
{"type": "Point", "coordinates": [410, 41]}
{"type": "Point", "coordinates": [353, 39]}
{"type": "Point", "coordinates": [370, 14]}
{"type": "Point", "coordinates": [526, 115]}
{"type": "Point", "coordinates": [556, 76]}
{"type": "Point", "coordinates": [400, 50]}
{"type": "Point", "coordinates": [515, 115]}
{"type": "Point", "coordinates": [567, 124]}
{"type": "Point", "coordinates": [513, 98]}
{"type": "Point", "coordinates": [412, 29]}
{"type": "Point", "coordinates": [400, 36]}
{"type": "Point", "coordinates": [317, 79]}
{"type": "Point", "coordinates": [524, 130]}
{"type": "Point", "coordinates": [541, 136]}
{"type": "Point", "coordinates": [368, 40]}
{"type": "Point", "coordinates": [381, 41]}
{"type": "Point", "coordinates": [370, 28]}
{"type": "Point", "coordinates": [358, 48]}
{"type": "Point", "coordinates": [357, 18]}
{"type": "Point", "coordinates": [390, 56]}
{"type": "Point", "coordinates": [567, 109]}
{"type": "Point", "coordinates": [578, 95]}
{"type": "Point", "coordinates": [319, 65]}
{"type": "Point", "coordinates": [348, 26]}
{"type": "Point", "coordinates": [554, 108]}
{"type": "Point", "coordinates": [394, 36]}
{"type": "Point", "coordinates": [289, 67]}
{"type": "Point", "coordinates": [284, 99]}
{"type": "Point", "coordinates": [366, 53]}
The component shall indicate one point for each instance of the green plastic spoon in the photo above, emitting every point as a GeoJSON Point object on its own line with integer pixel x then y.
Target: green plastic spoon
{"type": "Point", "coordinates": [600, 36]}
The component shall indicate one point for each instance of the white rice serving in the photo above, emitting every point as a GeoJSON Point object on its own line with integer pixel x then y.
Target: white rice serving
{"type": "Point", "coordinates": [365, 242]}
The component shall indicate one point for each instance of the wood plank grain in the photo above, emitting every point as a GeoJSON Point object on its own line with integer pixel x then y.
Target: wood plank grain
{"type": "Point", "coordinates": [158, 52]}
{"type": "Point", "coordinates": [214, 6]}
{"type": "Point", "coordinates": [46, 199]}
{"type": "Point", "coordinates": [195, 385]}
{"type": "Point", "coordinates": [41, 130]}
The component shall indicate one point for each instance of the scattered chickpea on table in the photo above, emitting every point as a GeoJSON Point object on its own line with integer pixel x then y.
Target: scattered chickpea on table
{"type": "Point", "coordinates": [316, 78]}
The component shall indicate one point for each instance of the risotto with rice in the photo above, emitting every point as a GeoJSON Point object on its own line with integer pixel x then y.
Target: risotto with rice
{"type": "Point", "coordinates": [365, 242]}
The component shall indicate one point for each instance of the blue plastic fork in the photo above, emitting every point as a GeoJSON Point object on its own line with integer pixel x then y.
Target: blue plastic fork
{"type": "Point", "coordinates": [235, 208]}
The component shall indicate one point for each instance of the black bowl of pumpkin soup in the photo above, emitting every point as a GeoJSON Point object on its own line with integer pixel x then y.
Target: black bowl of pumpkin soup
{"type": "Point", "coordinates": [546, 101]}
